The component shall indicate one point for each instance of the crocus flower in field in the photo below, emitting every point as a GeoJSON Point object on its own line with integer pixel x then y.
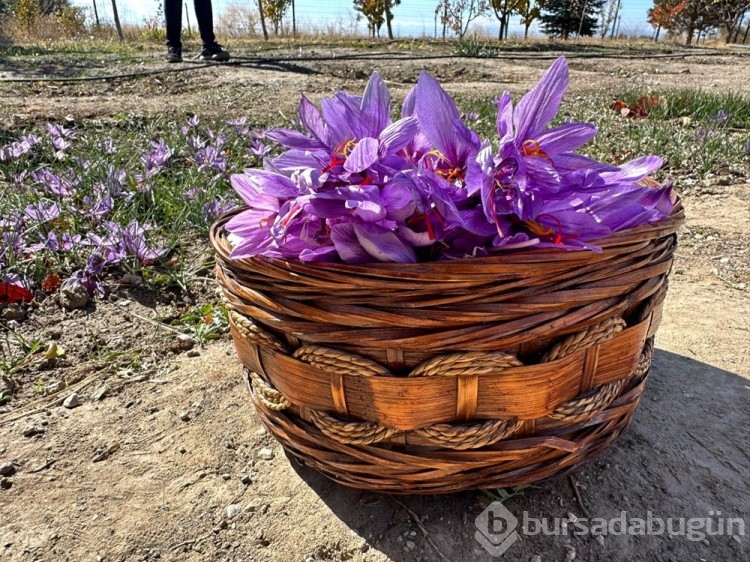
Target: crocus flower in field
{"type": "Point", "coordinates": [240, 126]}
{"type": "Point", "coordinates": [42, 213]}
{"type": "Point", "coordinates": [134, 237]}
{"type": "Point", "coordinates": [19, 148]}
{"type": "Point", "coordinates": [219, 139]}
{"type": "Point", "coordinates": [60, 185]}
{"type": "Point", "coordinates": [97, 207]}
{"type": "Point", "coordinates": [51, 241]}
{"type": "Point", "coordinates": [720, 117]}
{"type": "Point", "coordinates": [191, 123]}
{"type": "Point", "coordinates": [213, 209]}
{"type": "Point", "coordinates": [12, 241]}
{"type": "Point", "coordinates": [211, 158]}
{"type": "Point", "coordinates": [108, 146]}
{"type": "Point", "coordinates": [155, 160]}
{"type": "Point", "coordinates": [60, 136]}
{"type": "Point", "coordinates": [259, 149]}
{"type": "Point", "coordinates": [196, 142]}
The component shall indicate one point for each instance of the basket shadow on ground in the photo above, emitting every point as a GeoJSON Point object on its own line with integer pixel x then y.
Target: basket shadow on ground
{"type": "Point", "coordinates": [684, 455]}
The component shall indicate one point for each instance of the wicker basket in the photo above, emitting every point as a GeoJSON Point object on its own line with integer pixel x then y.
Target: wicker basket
{"type": "Point", "coordinates": [445, 376]}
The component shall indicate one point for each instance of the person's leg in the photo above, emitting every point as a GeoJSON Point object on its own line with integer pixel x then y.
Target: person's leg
{"type": "Point", "coordinates": [205, 16]}
{"type": "Point", "coordinates": [173, 18]}
{"type": "Point", "coordinates": [211, 49]}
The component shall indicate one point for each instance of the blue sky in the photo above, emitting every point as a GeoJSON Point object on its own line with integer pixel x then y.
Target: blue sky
{"type": "Point", "coordinates": [411, 18]}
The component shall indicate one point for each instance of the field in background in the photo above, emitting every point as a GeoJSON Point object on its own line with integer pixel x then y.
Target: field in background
{"type": "Point", "coordinates": [310, 18]}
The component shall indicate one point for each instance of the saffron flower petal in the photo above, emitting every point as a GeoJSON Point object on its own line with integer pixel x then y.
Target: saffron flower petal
{"type": "Point", "coordinates": [383, 244]}
{"type": "Point", "coordinates": [539, 106]}
{"type": "Point", "coordinates": [363, 155]}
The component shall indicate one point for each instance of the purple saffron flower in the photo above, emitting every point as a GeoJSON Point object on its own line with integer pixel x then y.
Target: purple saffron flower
{"type": "Point", "coordinates": [216, 208]}
{"type": "Point", "coordinates": [60, 136]}
{"type": "Point", "coordinates": [259, 149]}
{"type": "Point", "coordinates": [240, 126]}
{"type": "Point", "coordinates": [350, 134]}
{"type": "Point", "coordinates": [108, 146]}
{"type": "Point", "coordinates": [196, 143]}
{"type": "Point", "coordinates": [543, 155]}
{"type": "Point", "coordinates": [109, 249]}
{"type": "Point", "coordinates": [212, 158]}
{"type": "Point", "coordinates": [440, 123]}
{"type": "Point", "coordinates": [155, 160]}
{"type": "Point", "coordinates": [219, 139]}
{"type": "Point", "coordinates": [720, 117]}
{"type": "Point", "coordinates": [62, 186]}
{"type": "Point", "coordinates": [42, 213]}
{"type": "Point", "coordinates": [87, 280]}
{"type": "Point", "coordinates": [134, 238]}
{"type": "Point", "coordinates": [19, 148]}
{"type": "Point", "coordinates": [191, 123]}
{"type": "Point", "coordinates": [12, 241]}
{"type": "Point", "coordinates": [48, 242]}
{"type": "Point", "coordinates": [264, 192]}
{"type": "Point", "coordinates": [360, 242]}
{"type": "Point", "coordinates": [96, 208]}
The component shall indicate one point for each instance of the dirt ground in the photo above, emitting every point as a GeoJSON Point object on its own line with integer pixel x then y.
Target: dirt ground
{"type": "Point", "coordinates": [170, 462]}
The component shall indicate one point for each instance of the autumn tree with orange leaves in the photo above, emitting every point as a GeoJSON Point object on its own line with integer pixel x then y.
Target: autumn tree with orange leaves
{"type": "Point", "coordinates": [664, 14]}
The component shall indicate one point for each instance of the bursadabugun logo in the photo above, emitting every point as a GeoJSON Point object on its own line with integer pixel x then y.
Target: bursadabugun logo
{"type": "Point", "coordinates": [496, 529]}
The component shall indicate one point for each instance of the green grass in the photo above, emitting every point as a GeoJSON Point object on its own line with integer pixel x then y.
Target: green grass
{"type": "Point", "coordinates": [697, 105]}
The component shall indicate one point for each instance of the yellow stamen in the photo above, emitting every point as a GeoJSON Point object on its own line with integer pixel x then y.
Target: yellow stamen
{"type": "Point", "coordinates": [538, 229]}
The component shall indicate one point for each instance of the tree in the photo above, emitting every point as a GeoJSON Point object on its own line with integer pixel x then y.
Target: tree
{"type": "Point", "coordinates": [664, 13]}
{"type": "Point", "coordinates": [456, 15]}
{"type": "Point", "coordinates": [377, 12]}
{"type": "Point", "coordinates": [529, 11]}
{"type": "Point", "coordinates": [374, 12]}
{"type": "Point", "coordinates": [730, 13]}
{"type": "Point", "coordinates": [261, 11]}
{"type": "Point", "coordinates": [610, 10]}
{"type": "Point", "coordinates": [44, 7]}
{"type": "Point", "coordinates": [697, 16]}
{"type": "Point", "coordinates": [275, 10]}
{"type": "Point", "coordinates": [562, 18]}
{"type": "Point", "coordinates": [117, 20]}
{"type": "Point", "coordinates": [503, 9]}
{"type": "Point", "coordinates": [389, 5]}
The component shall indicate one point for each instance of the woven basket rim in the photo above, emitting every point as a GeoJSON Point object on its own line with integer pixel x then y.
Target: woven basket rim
{"type": "Point", "coordinates": [639, 234]}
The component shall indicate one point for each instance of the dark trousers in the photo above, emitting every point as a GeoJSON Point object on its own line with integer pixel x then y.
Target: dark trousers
{"type": "Point", "coordinates": [173, 17]}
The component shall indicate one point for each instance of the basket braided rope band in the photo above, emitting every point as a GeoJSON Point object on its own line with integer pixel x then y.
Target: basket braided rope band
{"type": "Point", "coordinates": [268, 395]}
{"type": "Point", "coordinates": [445, 376]}
{"type": "Point", "coordinates": [458, 437]}
{"type": "Point", "coordinates": [509, 463]}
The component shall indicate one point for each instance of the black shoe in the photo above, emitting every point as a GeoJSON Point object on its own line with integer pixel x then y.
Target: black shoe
{"type": "Point", "coordinates": [215, 53]}
{"type": "Point", "coordinates": [174, 54]}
